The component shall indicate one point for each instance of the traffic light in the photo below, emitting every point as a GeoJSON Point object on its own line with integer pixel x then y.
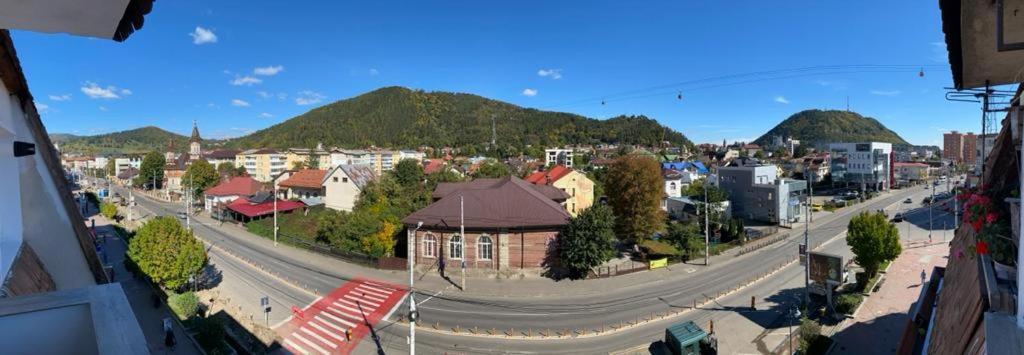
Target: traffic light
{"type": "Point", "coordinates": [348, 334]}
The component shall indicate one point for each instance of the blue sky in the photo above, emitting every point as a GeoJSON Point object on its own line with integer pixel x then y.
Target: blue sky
{"type": "Point", "coordinates": [237, 66]}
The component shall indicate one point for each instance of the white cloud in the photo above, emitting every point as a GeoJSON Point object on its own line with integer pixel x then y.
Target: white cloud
{"type": "Point", "coordinates": [266, 115]}
{"type": "Point", "coordinates": [308, 97]}
{"type": "Point", "coordinates": [781, 100]}
{"type": "Point", "coordinates": [939, 53]}
{"type": "Point", "coordinates": [529, 92]}
{"type": "Point", "coordinates": [62, 97]}
{"type": "Point", "coordinates": [42, 108]}
{"type": "Point", "coordinates": [103, 108]}
{"type": "Point", "coordinates": [264, 94]}
{"type": "Point", "coordinates": [203, 36]}
{"type": "Point", "coordinates": [94, 91]}
{"type": "Point", "coordinates": [245, 80]}
{"type": "Point", "coordinates": [268, 71]}
{"type": "Point", "coordinates": [550, 73]}
{"type": "Point", "coordinates": [373, 72]}
{"type": "Point", "coordinates": [885, 92]}
{"type": "Point", "coordinates": [239, 103]}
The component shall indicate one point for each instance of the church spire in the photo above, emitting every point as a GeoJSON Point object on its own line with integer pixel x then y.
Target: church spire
{"type": "Point", "coordinates": [195, 133]}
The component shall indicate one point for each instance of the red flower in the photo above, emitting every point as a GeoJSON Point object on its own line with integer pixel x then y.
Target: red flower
{"type": "Point", "coordinates": [982, 247]}
{"type": "Point", "coordinates": [991, 217]}
{"type": "Point", "coordinates": [976, 224]}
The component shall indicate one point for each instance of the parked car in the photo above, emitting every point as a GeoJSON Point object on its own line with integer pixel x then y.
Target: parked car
{"type": "Point", "coordinates": [181, 214]}
{"type": "Point", "coordinates": [898, 218]}
{"type": "Point", "coordinates": [926, 200]}
{"type": "Point", "coordinates": [908, 200]}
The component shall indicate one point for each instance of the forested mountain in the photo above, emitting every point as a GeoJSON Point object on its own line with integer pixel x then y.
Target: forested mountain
{"type": "Point", "coordinates": [135, 141]}
{"type": "Point", "coordinates": [813, 127]}
{"type": "Point", "coordinates": [397, 117]}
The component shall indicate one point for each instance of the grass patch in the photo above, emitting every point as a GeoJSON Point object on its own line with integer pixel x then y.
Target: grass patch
{"type": "Point", "coordinates": [296, 224]}
{"type": "Point", "coordinates": [658, 249]}
{"type": "Point", "coordinates": [719, 248]}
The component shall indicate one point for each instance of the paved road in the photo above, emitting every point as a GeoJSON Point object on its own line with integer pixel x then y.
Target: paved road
{"type": "Point", "coordinates": [567, 311]}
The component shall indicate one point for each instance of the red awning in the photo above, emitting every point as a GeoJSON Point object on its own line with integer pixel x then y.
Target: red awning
{"type": "Point", "coordinates": [251, 210]}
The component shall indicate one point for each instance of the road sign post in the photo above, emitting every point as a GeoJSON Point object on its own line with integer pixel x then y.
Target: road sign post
{"type": "Point", "coordinates": [265, 304]}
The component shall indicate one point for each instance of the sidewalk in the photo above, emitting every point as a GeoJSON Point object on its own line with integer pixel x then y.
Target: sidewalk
{"type": "Point", "coordinates": [139, 294]}
{"type": "Point", "coordinates": [877, 326]}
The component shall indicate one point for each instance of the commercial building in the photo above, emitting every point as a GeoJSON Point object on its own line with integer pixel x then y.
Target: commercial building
{"type": "Point", "coordinates": [558, 156]}
{"type": "Point", "coordinates": [867, 165]}
{"type": "Point", "coordinates": [756, 192]}
{"type": "Point", "coordinates": [509, 223]}
{"type": "Point", "coordinates": [911, 172]}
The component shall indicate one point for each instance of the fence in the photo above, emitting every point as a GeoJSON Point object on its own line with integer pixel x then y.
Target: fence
{"type": "Point", "coordinates": [616, 270]}
{"type": "Point", "coordinates": [761, 243]}
{"type": "Point", "coordinates": [386, 263]}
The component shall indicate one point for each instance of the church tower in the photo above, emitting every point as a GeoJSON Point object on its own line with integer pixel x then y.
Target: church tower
{"type": "Point", "coordinates": [194, 150]}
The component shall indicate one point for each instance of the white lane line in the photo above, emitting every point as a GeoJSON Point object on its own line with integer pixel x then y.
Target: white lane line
{"type": "Point", "coordinates": [432, 296]}
{"type": "Point", "coordinates": [328, 314]}
{"type": "Point", "coordinates": [329, 333]}
{"type": "Point", "coordinates": [354, 298]}
{"type": "Point", "coordinates": [349, 311]}
{"type": "Point", "coordinates": [310, 343]}
{"type": "Point", "coordinates": [355, 308]}
{"type": "Point", "coordinates": [329, 324]}
{"type": "Point", "coordinates": [379, 288]}
{"type": "Point", "coordinates": [320, 338]}
{"type": "Point", "coordinates": [294, 346]}
{"type": "Point", "coordinates": [395, 307]}
{"type": "Point", "coordinates": [373, 297]}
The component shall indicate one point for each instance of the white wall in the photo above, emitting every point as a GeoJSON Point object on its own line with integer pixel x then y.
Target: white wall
{"type": "Point", "coordinates": [339, 195]}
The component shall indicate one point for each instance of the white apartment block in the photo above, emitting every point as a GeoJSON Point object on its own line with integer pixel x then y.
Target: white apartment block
{"type": "Point", "coordinates": [558, 157]}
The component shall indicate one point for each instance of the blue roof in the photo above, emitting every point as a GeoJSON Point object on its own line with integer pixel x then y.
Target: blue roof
{"type": "Point", "coordinates": [685, 165]}
{"type": "Point", "coordinates": [686, 333]}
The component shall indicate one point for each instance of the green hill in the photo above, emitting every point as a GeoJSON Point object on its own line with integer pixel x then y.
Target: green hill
{"type": "Point", "coordinates": [398, 117]}
{"type": "Point", "coordinates": [816, 126]}
{"type": "Point", "coordinates": [135, 141]}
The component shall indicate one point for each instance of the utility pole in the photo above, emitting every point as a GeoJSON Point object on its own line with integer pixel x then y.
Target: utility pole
{"type": "Point", "coordinates": [810, 185]}
{"type": "Point", "coordinates": [188, 203]}
{"type": "Point", "coordinates": [131, 200]}
{"type": "Point", "coordinates": [807, 258]}
{"type": "Point", "coordinates": [707, 225]}
{"type": "Point", "coordinates": [931, 204]}
{"type": "Point", "coordinates": [462, 240]}
{"type": "Point", "coordinates": [413, 315]}
{"type": "Point", "coordinates": [274, 196]}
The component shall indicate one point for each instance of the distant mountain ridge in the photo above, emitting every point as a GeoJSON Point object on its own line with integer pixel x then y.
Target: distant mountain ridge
{"type": "Point", "coordinates": [813, 127]}
{"type": "Point", "coordinates": [398, 117]}
{"type": "Point", "coordinates": [134, 141]}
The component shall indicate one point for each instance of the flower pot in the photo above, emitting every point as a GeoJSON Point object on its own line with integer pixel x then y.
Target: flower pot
{"type": "Point", "coordinates": [1003, 271]}
{"type": "Point", "coordinates": [1014, 203]}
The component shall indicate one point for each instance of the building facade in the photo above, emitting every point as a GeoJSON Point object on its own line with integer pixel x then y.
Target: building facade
{"type": "Point", "coordinates": [262, 164]}
{"type": "Point", "coordinates": [558, 156]}
{"type": "Point", "coordinates": [911, 172]}
{"type": "Point", "coordinates": [579, 187]}
{"type": "Point", "coordinates": [343, 184]}
{"type": "Point", "coordinates": [349, 156]}
{"type": "Point", "coordinates": [868, 165]}
{"type": "Point", "coordinates": [298, 158]}
{"type": "Point", "coordinates": [757, 193]}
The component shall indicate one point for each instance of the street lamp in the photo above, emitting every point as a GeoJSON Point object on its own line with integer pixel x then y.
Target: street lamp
{"type": "Point", "coordinates": [413, 313]}
{"type": "Point", "coordinates": [793, 314]}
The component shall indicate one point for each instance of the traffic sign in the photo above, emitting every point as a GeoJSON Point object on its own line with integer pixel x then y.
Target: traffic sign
{"type": "Point", "coordinates": [264, 301]}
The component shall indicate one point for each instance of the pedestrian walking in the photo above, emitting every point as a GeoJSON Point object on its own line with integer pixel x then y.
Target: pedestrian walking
{"type": "Point", "coordinates": [923, 275]}
{"type": "Point", "coordinates": [440, 265]}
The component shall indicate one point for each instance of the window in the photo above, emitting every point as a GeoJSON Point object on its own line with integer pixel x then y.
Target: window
{"type": "Point", "coordinates": [484, 249]}
{"type": "Point", "coordinates": [344, 179]}
{"type": "Point", "coordinates": [335, 179]}
{"type": "Point", "coordinates": [455, 247]}
{"type": "Point", "coordinates": [429, 246]}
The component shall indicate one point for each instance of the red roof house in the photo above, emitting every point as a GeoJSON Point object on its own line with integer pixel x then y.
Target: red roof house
{"type": "Point", "coordinates": [233, 188]}
{"type": "Point", "coordinates": [431, 166]}
{"type": "Point", "coordinates": [547, 177]}
{"type": "Point", "coordinates": [250, 209]}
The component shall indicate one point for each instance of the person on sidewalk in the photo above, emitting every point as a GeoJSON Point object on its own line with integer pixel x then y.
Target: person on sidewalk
{"type": "Point", "coordinates": [440, 265]}
{"type": "Point", "coordinates": [923, 275]}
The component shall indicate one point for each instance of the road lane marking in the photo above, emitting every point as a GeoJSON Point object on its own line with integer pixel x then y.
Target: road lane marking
{"type": "Point", "coordinates": [329, 333]}
{"type": "Point", "coordinates": [320, 338]}
{"type": "Point", "coordinates": [310, 343]}
{"type": "Point", "coordinates": [358, 300]}
{"type": "Point", "coordinates": [329, 324]}
{"type": "Point", "coordinates": [294, 346]}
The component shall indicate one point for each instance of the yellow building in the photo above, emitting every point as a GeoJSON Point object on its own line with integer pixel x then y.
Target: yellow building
{"type": "Point", "coordinates": [263, 164]}
{"type": "Point", "coordinates": [296, 156]}
{"type": "Point", "coordinates": [579, 187]}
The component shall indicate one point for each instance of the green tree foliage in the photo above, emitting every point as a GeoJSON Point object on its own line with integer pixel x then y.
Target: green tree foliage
{"type": "Point", "coordinates": [634, 188]}
{"type": "Point", "coordinates": [134, 141]}
{"type": "Point", "coordinates": [313, 159]}
{"type": "Point", "coordinates": [687, 237]}
{"type": "Point", "coordinates": [696, 192]}
{"type": "Point", "coordinates": [200, 175]}
{"type": "Point", "coordinates": [110, 168]}
{"type": "Point", "coordinates": [228, 169]}
{"type": "Point", "coordinates": [108, 210]}
{"type": "Point", "coordinates": [873, 240]}
{"type": "Point", "coordinates": [400, 117]}
{"type": "Point", "coordinates": [813, 126]}
{"type": "Point", "coordinates": [492, 168]}
{"type": "Point", "coordinates": [151, 171]}
{"type": "Point", "coordinates": [167, 252]}
{"type": "Point", "coordinates": [587, 241]}
{"type": "Point", "coordinates": [408, 172]}
{"type": "Point", "coordinates": [185, 304]}
{"type": "Point", "coordinates": [809, 332]}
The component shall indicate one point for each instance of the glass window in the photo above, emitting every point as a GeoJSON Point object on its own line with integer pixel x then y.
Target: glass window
{"type": "Point", "coordinates": [455, 247]}
{"type": "Point", "coordinates": [484, 248]}
{"type": "Point", "coordinates": [429, 246]}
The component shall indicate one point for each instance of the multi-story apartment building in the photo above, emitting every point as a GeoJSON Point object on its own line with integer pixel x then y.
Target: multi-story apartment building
{"type": "Point", "coordinates": [296, 157]}
{"type": "Point", "coordinates": [866, 164]}
{"type": "Point", "coordinates": [756, 192]}
{"type": "Point", "coordinates": [218, 157]}
{"type": "Point", "coordinates": [558, 156]}
{"type": "Point", "coordinates": [122, 164]}
{"type": "Point", "coordinates": [349, 156]}
{"type": "Point", "coordinates": [262, 164]}
{"type": "Point", "coordinates": [967, 151]}
{"type": "Point", "coordinates": [953, 146]}
{"type": "Point", "coordinates": [411, 154]}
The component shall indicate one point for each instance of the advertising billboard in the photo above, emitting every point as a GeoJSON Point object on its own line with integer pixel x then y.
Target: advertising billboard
{"type": "Point", "coordinates": [826, 268]}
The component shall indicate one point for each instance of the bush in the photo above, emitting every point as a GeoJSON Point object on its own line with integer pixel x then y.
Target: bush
{"type": "Point", "coordinates": [847, 303]}
{"type": "Point", "coordinates": [210, 334]}
{"type": "Point", "coordinates": [108, 210]}
{"type": "Point", "coordinates": [92, 198]}
{"type": "Point", "coordinates": [809, 332]}
{"type": "Point", "coordinates": [184, 305]}
{"type": "Point", "coordinates": [656, 249]}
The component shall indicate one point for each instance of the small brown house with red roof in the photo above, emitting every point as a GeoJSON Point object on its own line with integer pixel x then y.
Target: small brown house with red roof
{"type": "Point", "coordinates": [508, 223]}
{"type": "Point", "coordinates": [303, 184]}
{"type": "Point", "coordinates": [230, 190]}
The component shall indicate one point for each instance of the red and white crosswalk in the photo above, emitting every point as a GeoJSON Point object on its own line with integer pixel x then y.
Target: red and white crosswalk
{"type": "Point", "coordinates": [324, 327]}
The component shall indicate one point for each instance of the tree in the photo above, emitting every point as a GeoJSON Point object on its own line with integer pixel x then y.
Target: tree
{"type": "Point", "coordinates": [200, 176]}
{"type": "Point", "coordinates": [873, 240]}
{"type": "Point", "coordinates": [634, 187]}
{"type": "Point", "coordinates": [110, 168]}
{"type": "Point", "coordinates": [759, 154]}
{"type": "Point", "coordinates": [151, 170]}
{"type": "Point", "coordinates": [587, 240]}
{"type": "Point", "coordinates": [108, 210]}
{"type": "Point", "coordinates": [687, 237]}
{"type": "Point", "coordinates": [492, 168]}
{"type": "Point", "coordinates": [313, 159]}
{"type": "Point", "coordinates": [408, 172]}
{"type": "Point", "coordinates": [228, 169]}
{"type": "Point", "coordinates": [167, 252]}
